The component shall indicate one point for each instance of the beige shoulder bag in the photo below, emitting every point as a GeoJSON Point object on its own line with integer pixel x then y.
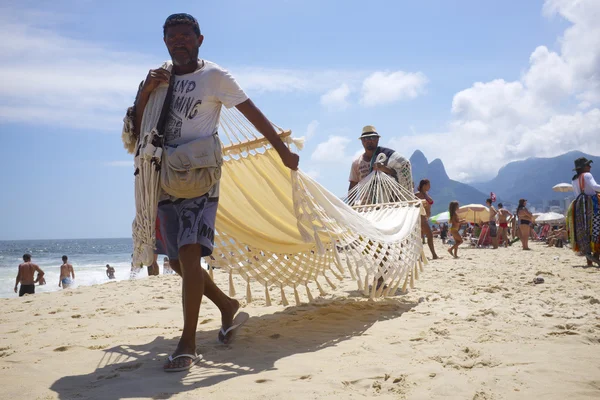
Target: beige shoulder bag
{"type": "Point", "coordinates": [192, 169]}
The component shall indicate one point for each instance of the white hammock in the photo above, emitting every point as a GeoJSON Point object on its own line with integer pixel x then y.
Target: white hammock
{"type": "Point", "coordinates": [281, 228]}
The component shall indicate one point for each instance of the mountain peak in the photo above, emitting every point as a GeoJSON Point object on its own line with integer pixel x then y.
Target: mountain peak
{"type": "Point", "coordinates": [418, 157]}
{"type": "Point", "coordinates": [437, 171]}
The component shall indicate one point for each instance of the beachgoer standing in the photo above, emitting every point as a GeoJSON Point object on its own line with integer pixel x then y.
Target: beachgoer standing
{"type": "Point", "coordinates": [187, 225]}
{"type": "Point", "coordinates": [504, 217]}
{"type": "Point", "coordinates": [455, 223]}
{"type": "Point", "coordinates": [584, 212]}
{"type": "Point", "coordinates": [25, 276]}
{"type": "Point", "coordinates": [110, 272]}
{"type": "Point", "coordinates": [493, 229]}
{"type": "Point", "coordinates": [424, 187]}
{"type": "Point", "coordinates": [444, 232]}
{"type": "Point", "coordinates": [525, 221]}
{"type": "Point", "coordinates": [67, 275]}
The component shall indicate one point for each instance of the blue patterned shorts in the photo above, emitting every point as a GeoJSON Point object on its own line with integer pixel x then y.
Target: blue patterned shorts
{"type": "Point", "coordinates": [186, 221]}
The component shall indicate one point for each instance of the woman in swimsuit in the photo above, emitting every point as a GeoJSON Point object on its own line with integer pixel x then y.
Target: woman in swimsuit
{"type": "Point", "coordinates": [525, 220]}
{"type": "Point", "coordinates": [424, 187]}
{"type": "Point", "coordinates": [455, 223]}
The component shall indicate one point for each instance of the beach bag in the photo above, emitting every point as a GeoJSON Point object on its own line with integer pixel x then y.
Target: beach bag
{"type": "Point", "coordinates": [192, 169]}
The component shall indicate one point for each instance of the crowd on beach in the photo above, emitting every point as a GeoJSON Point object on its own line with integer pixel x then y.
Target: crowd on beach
{"type": "Point", "coordinates": [580, 229]}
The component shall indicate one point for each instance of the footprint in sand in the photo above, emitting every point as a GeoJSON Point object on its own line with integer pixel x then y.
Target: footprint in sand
{"type": "Point", "coordinates": [62, 348]}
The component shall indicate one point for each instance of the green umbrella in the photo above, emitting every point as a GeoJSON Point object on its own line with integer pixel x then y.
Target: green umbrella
{"type": "Point", "coordinates": [440, 218]}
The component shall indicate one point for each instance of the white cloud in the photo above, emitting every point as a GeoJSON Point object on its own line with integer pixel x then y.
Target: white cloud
{"type": "Point", "coordinates": [384, 87]}
{"type": "Point", "coordinates": [119, 164]}
{"type": "Point", "coordinates": [336, 99]}
{"type": "Point", "coordinates": [332, 151]}
{"type": "Point", "coordinates": [311, 129]}
{"type": "Point", "coordinates": [552, 109]}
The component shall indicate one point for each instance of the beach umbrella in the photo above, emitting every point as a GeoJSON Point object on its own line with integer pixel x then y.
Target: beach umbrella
{"type": "Point", "coordinates": [440, 218]}
{"type": "Point", "coordinates": [550, 218]}
{"type": "Point", "coordinates": [563, 187]}
{"type": "Point", "coordinates": [474, 213]}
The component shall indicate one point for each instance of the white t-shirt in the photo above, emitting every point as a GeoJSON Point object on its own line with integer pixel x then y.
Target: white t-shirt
{"type": "Point", "coordinates": [197, 100]}
{"type": "Point", "coordinates": [590, 185]}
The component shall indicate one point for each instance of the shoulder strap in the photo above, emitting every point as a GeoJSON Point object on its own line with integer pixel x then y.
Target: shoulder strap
{"type": "Point", "coordinates": [581, 183]}
{"type": "Point", "coordinates": [162, 119]}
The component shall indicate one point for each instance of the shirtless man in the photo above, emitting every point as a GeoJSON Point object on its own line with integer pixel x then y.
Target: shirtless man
{"type": "Point", "coordinates": [492, 223]}
{"type": "Point", "coordinates": [25, 276]}
{"type": "Point", "coordinates": [110, 272]}
{"type": "Point", "coordinates": [67, 275]}
{"type": "Point", "coordinates": [504, 217]}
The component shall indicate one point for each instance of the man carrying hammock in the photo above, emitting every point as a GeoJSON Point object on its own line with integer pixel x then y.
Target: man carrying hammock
{"type": "Point", "coordinates": [394, 164]}
{"type": "Point", "coordinates": [584, 213]}
{"type": "Point", "coordinates": [187, 225]}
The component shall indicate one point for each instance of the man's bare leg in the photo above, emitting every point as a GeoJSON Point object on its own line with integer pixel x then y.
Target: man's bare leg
{"type": "Point", "coordinates": [227, 306]}
{"type": "Point", "coordinates": [495, 241]}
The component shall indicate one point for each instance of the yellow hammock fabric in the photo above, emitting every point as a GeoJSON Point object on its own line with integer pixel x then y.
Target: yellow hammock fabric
{"type": "Point", "coordinates": [281, 228]}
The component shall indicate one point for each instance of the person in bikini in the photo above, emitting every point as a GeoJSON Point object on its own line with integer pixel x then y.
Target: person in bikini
{"type": "Point", "coordinates": [422, 194]}
{"type": "Point", "coordinates": [504, 217]}
{"type": "Point", "coordinates": [67, 275]}
{"type": "Point", "coordinates": [25, 276]}
{"type": "Point", "coordinates": [525, 221]}
{"type": "Point", "coordinates": [455, 223]}
{"type": "Point", "coordinates": [491, 223]}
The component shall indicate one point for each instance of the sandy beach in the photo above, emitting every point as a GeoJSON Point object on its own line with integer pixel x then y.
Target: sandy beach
{"type": "Point", "coordinates": [473, 328]}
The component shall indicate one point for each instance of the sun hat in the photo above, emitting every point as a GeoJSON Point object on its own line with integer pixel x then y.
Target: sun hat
{"type": "Point", "coordinates": [582, 162]}
{"type": "Point", "coordinates": [369, 131]}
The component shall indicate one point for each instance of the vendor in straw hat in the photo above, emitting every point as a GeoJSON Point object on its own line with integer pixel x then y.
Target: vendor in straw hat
{"type": "Point", "coordinates": [394, 164]}
{"type": "Point", "coordinates": [584, 212]}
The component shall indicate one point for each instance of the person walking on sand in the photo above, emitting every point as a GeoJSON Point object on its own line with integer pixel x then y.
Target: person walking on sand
{"type": "Point", "coordinates": [67, 275]}
{"type": "Point", "coordinates": [491, 223]}
{"type": "Point", "coordinates": [525, 221]}
{"type": "Point", "coordinates": [455, 223]}
{"type": "Point", "coordinates": [584, 212]}
{"type": "Point", "coordinates": [110, 272]}
{"type": "Point", "coordinates": [504, 217]}
{"type": "Point", "coordinates": [187, 224]}
{"type": "Point", "coordinates": [25, 276]}
{"type": "Point", "coordinates": [422, 193]}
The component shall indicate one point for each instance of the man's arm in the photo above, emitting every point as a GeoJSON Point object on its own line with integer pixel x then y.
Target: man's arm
{"type": "Point", "coordinates": [352, 184]}
{"type": "Point", "coordinates": [18, 279]}
{"type": "Point", "coordinates": [383, 168]}
{"type": "Point", "coordinates": [72, 272]}
{"type": "Point", "coordinates": [262, 124]}
{"type": "Point", "coordinates": [589, 180]}
{"type": "Point", "coordinates": [40, 275]}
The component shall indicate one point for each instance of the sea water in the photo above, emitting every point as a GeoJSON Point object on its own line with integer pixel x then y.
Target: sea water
{"type": "Point", "coordinates": [88, 257]}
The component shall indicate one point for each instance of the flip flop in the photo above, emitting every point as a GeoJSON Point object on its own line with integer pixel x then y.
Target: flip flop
{"type": "Point", "coordinates": [193, 357]}
{"type": "Point", "coordinates": [238, 321]}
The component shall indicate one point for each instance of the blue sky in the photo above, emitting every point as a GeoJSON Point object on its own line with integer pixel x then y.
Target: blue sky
{"type": "Point", "coordinates": [477, 84]}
